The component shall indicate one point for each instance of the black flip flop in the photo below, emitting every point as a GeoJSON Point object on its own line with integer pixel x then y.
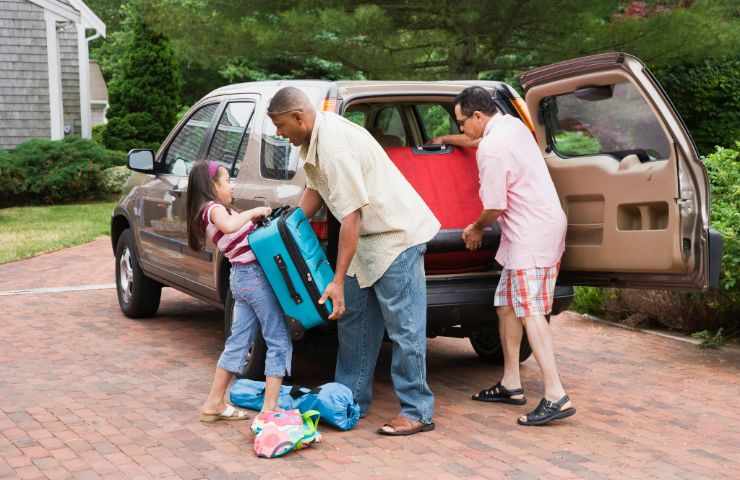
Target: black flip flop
{"type": "Point", "coordinates": [547, 411]}
{"type": "Point", "coordinates": [500, 394]}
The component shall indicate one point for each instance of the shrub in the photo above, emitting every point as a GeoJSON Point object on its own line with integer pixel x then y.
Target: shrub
{"type": "Point", "coordinates": [114, 179]}
{"type": "Point", "coordinates": [12, 176]}
{"type": "Point", "coordinates": [47, 171]}
{"type": "Point", "coordinates": [97, 133]}
{"type": "Point", "coordinates": [589, 300]}
{"type": "Point", "coordinates": [131, 131]}
{"type": "Point", "coordinates": [723, 167]}
{"type": "Point", "coordinates": [144, 87]}
{"type": "Point", "coordinates": [707, 95]}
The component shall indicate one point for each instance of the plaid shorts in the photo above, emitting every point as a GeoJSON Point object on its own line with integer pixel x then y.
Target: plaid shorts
{"type": "Point", "coordinates": [529, 291]}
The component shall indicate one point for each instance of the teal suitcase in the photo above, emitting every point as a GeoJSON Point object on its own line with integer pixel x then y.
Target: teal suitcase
{"type": "Point", "coordinates": [296, 267]}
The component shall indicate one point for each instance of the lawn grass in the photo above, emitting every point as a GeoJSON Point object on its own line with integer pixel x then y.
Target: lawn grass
{"type": "Point", "coordinates": [28, 231]}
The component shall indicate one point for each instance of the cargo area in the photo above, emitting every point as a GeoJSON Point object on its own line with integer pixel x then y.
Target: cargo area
{"type": "Point", "coordinates": [445, 177]}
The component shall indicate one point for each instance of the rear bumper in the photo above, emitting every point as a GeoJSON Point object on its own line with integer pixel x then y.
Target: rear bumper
{"type": "Point", "coordinates": [451, 240]}
{"type": "Point", "coordinates": [716, 244]}
{"type": "Point", "coordinates": [457, 307]}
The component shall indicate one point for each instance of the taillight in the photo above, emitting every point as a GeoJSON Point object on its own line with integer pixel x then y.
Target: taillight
{"type": "Point", "coordinates": [321, 228]}
{"type": "Point", "coordinates": [329, 105]}
{"type": "Point", "coordinates": [320, 224]}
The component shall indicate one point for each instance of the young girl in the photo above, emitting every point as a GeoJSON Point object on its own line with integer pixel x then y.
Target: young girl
{"type": "Point", "coordinates": [209, 194]}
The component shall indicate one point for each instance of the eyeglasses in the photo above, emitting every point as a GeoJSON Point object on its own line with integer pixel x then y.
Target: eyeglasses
{"type": "Point", "coordinates": [461, 123]}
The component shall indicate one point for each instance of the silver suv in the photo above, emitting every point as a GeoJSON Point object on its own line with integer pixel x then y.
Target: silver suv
{"type": "Point", "coordinates": [627, 173]}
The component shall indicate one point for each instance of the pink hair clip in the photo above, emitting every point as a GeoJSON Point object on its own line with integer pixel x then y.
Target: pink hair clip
{"type": "Point", "coordinates": [212, 169]}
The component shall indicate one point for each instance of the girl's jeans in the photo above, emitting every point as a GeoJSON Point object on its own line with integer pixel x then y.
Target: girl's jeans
{"type": "Point", "coordinates": [256, 307]}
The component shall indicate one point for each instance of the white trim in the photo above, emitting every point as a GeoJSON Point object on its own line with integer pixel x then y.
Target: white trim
{"type": "Point", "coordinates": [89, 19]}
{"type": "Point", "coordinates": [84, 72]}
{"type": "Point", "coordinates": [56, 109]}
{"type": "Point", "coordinates": [79, 288]}
{"type": "Point", "coordinates": [61, 10]}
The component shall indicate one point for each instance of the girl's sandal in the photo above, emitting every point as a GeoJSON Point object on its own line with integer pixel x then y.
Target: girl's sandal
{"type": "Point", "coordinates": [229, 414]}
{"type": "Point", "coordinates": [546, 412]}
{"type": "Point", "coordinates": [500, 394]}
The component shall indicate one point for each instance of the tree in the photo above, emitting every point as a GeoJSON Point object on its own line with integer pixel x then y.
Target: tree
{"type": "Point", "coordinates": [443, 38]}
{"type": "Point", "coordinates": [144, 87]}
{"type": "Point", "coordinates": [707, 94]}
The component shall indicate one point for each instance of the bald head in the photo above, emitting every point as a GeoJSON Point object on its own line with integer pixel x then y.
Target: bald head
{"type": "Point", "coordinates": [289, 99]}
{"type": "Point", "coordinates": [293, 115]}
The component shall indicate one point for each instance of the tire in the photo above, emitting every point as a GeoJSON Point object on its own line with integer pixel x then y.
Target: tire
{"type": "Point", "coordinates": [138, 295]}
{"type": "Point", "coordinates": [255, 368]}
{"type": "Point", "coordinates": [487, 345]}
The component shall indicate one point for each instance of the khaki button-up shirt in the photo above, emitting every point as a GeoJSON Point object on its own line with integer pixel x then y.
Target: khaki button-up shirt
{"type": "Point", "coordinates": [351, 171]}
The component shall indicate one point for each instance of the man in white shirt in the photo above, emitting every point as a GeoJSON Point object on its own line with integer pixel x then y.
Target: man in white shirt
{"type": "Point", "coordinates": [385, 226]}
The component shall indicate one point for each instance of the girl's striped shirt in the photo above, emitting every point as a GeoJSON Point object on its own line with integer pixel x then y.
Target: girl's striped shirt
{"type": "Point", "coordinates": [234, 246]}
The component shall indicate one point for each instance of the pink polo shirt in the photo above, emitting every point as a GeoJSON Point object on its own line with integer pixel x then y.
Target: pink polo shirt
{"type": "Point", "coordinates": [514, 178]}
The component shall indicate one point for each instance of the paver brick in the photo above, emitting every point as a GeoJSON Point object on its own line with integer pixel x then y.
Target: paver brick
{"type": "Point", "coordinates": [122, 398]}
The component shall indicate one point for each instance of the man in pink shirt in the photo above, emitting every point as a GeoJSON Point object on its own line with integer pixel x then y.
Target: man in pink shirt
{"type": "Point", "coordinates": [516, 190]}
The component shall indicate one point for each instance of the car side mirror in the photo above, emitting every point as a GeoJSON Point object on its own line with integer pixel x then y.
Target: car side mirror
{"type": "Point", "coordinates": [141, 160]}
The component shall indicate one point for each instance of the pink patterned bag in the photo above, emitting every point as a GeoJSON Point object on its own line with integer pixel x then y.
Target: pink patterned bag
{"type": "Point", "coordinates": [280, 432]}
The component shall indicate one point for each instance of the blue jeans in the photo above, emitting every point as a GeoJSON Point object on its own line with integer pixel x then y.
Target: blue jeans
{"type": "Point", "coordinates": [256, 307]}
{"type": "Point", "coordinates": [396, 303]}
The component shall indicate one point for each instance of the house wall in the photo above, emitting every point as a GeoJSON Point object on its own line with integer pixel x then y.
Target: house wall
{"type": "Point", "coordinates": [70, 67]}
{"type": "Point", "coordinates": [24, 78]}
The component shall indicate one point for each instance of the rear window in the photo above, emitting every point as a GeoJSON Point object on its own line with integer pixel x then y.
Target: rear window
{"type": "Point", "coordinates": [435, 120]}
{"type": "Point", "coordinates": [608, 120]}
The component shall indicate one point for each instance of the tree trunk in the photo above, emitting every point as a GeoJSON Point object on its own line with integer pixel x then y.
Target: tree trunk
{"type": "Point", "coordinates": [461, 60]}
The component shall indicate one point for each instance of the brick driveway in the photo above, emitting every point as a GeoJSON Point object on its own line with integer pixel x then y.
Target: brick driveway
{"type": "Point", "coordinates": [88, 393]}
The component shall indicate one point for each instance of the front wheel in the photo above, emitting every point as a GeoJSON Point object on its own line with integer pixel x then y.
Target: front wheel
{"type": "Point", "coordinates": [138, 295]}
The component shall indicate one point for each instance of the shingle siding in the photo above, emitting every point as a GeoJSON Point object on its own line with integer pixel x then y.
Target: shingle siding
{"type": "Point", "coordinates": [70, 64]}
{"type": "Point", "coordinates": [24, 77]}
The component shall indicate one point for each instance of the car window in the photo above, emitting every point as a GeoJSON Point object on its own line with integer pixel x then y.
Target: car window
{"type": "Point", "coordinates": [231, 136]}
{"type": "Point", "coordinates": [435, 120]}
{"type": "Point", "coordinates": [278, 158]}
{"type": "Point", "coordinates": [617, 122]}
{"type": "Point", "coordinates": [187, 144]}
{"type": "Point", "coordinates": [388, 122]}
{"type": "Point", "coordinates": [356, 116]}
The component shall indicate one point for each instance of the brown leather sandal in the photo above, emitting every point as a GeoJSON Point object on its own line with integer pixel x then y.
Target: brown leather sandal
{"type": "Point", "coordinates": [402, 426]}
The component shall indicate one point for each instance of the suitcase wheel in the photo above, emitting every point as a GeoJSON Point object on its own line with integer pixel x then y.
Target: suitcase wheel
{"type": "Point", "coordinates": [296, 329]}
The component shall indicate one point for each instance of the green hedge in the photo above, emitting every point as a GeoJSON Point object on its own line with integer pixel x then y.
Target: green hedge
{"type": "Point", "coordinates": [47, 171]}
{"type": "Point", "coordinates": [707, 95]}
{"type": "Point", "coordinates": [723, 167]}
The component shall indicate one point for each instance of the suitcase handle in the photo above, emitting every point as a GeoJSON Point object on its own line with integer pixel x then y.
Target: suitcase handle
{"type": "Point", "coordinates": [286, 277]}
{"type": "Point", "coordinates": [277, 213]}
{"type": "Point", "coordinates": [297, 392]}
